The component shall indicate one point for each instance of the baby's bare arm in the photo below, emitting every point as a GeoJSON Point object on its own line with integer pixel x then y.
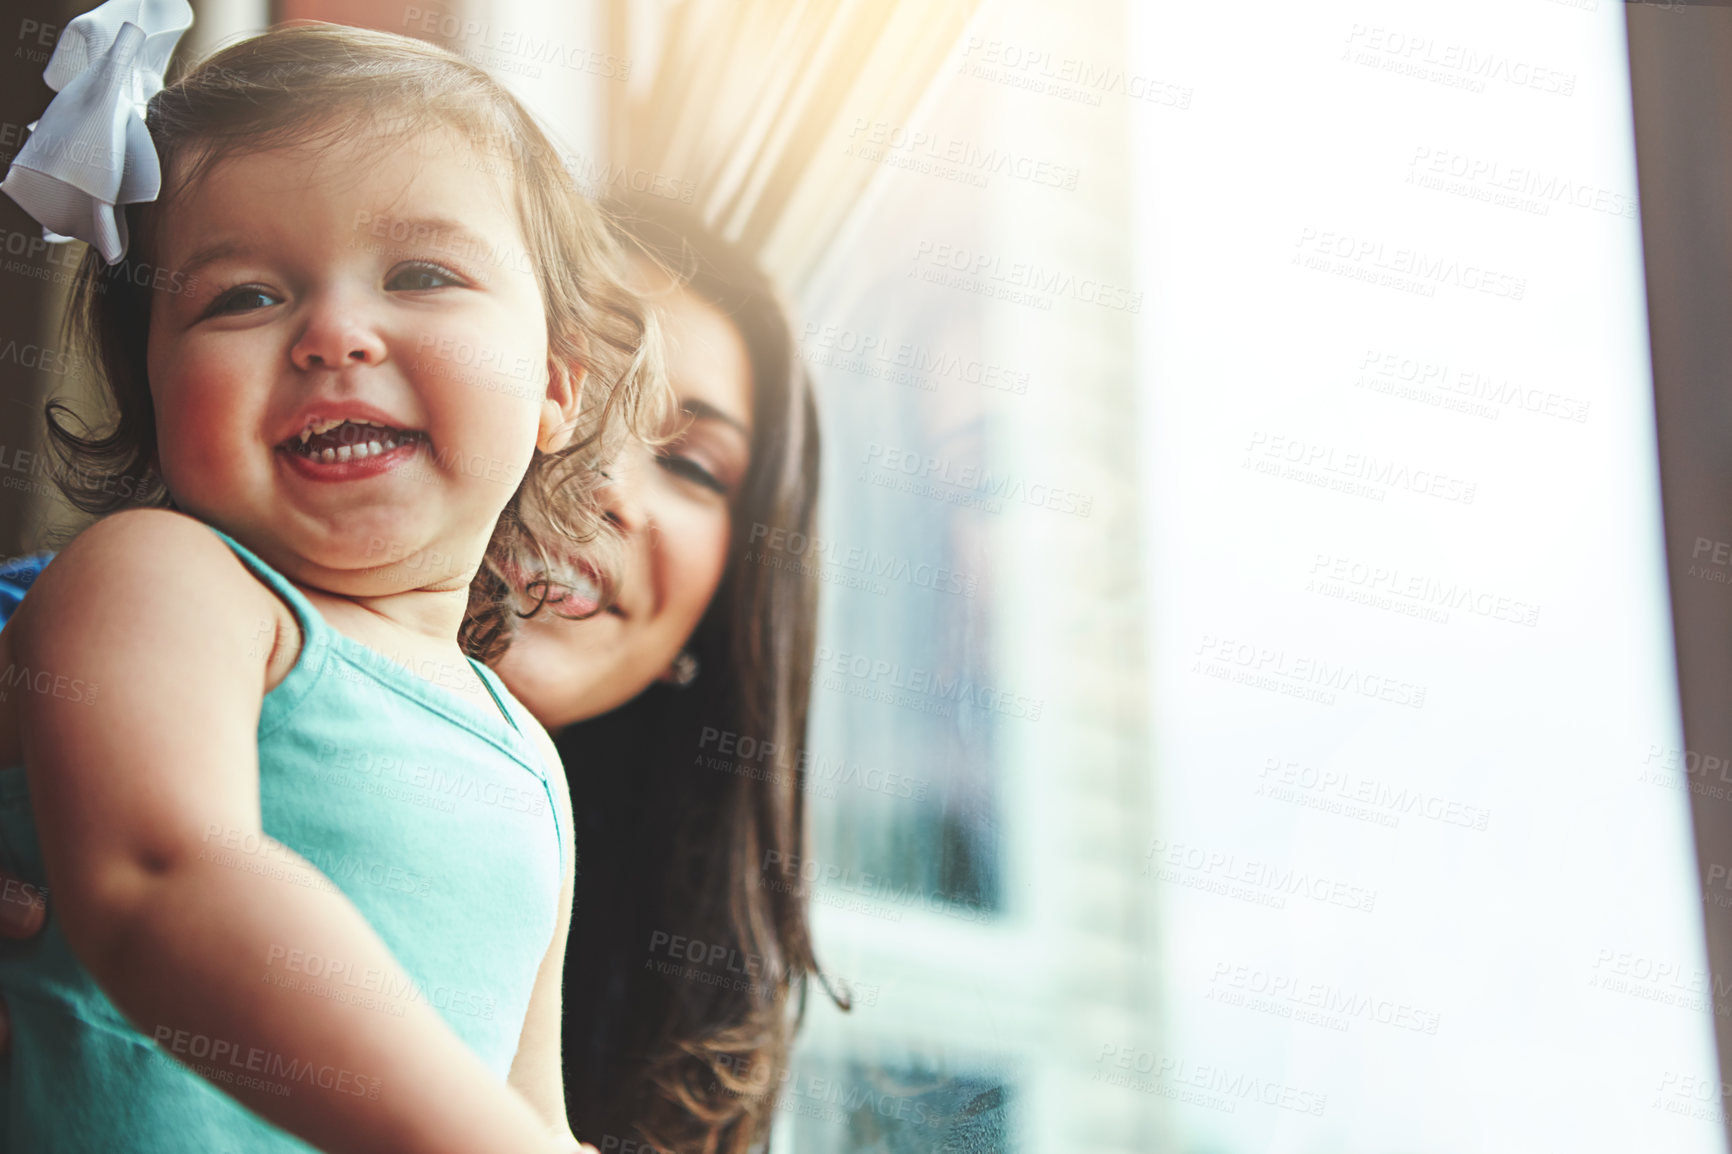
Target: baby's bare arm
{"type": "Point", "coordinates": [147, 805]}
{"type": "Point", "coordinates": [537, 1071]}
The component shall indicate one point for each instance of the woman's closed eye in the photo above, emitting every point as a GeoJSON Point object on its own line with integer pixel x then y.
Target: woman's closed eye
{"type": "Point", "coordinates": [690, 469]}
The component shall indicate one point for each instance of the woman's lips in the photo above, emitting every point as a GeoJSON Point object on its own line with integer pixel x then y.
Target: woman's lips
{"type": "Point", "coordinates": [581, 598]}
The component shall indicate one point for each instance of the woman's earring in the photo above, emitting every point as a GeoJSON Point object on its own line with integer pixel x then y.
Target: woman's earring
{"type": "Point", "coordinates": [684, 670]}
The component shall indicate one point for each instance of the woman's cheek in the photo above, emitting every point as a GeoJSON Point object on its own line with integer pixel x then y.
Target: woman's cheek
{"type": "Point", "coordinates": [702, 545]}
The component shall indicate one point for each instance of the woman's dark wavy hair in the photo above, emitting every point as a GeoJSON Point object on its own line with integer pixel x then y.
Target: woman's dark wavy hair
{"type": "Point", "coordinates": [670, 846]}
{"type": "Point", "coordinates": [319, 84]}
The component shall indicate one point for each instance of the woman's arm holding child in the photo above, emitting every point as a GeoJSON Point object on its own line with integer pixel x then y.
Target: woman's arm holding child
{"type": "Point", "coordinates": [132, 793]}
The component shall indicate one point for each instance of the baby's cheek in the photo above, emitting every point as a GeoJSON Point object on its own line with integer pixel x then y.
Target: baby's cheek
{"type": "Point", "coordinates": [197, 441]}
{"type": "Point", "coordinates": [489, 414]}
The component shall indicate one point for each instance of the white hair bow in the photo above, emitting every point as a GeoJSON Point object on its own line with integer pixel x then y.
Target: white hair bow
{"type": "Point", "coordinates": [90, 153]}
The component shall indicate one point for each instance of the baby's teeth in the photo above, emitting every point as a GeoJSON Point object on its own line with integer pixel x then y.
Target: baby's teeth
{"type": "Point", "coordinates": [357, 451]}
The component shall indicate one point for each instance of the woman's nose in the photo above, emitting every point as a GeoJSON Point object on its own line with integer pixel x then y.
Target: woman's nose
{"type": "Point", "coordinates": [337, 334]}
{"type": "Point", "coordinates": [622, 494]}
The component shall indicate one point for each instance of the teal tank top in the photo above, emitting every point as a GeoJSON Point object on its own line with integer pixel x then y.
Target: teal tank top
{"type": "Point", "coordinates": [435, 820]}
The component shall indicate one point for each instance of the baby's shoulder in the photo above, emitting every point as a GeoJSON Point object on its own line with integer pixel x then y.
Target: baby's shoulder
{"type": "Point", "coordinates": [145, 565]}
{"type": "Point", "coordinates": [145, 535]}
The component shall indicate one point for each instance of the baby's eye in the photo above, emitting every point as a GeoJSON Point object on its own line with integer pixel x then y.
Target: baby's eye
{"type": "Point", "coordinates": [421, 276]}
{"type": "Point", "coordinates": [242, 299]}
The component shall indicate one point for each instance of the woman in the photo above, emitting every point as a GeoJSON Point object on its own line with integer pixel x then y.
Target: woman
{"type": "Point", "coordinates": [670, 847]}
{"type": "Point", "coordinates": [701, 640]}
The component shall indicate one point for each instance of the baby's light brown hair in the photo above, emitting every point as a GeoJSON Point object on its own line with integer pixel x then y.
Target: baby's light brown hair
{"type": "Point", "coordinates": [313, 83]}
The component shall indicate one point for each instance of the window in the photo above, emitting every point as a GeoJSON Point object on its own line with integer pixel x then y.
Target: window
{"type": "Point", "coordinates": [1422, 863]}
{"type": "Point", "coordinates": [972, 334]}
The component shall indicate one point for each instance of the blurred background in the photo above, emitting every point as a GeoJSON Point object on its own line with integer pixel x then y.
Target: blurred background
{"type": "Point", "coordinates": [1291, 758]}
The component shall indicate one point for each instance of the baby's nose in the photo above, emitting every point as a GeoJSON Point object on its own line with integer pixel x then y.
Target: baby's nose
{"type": "Point", "coordinates": [334, 337]}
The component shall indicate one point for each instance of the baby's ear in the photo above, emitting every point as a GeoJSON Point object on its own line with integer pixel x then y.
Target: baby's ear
{"type": "Point", "coordinates": [559, 409]}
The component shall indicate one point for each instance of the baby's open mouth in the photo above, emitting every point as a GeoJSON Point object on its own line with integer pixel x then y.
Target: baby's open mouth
{"type": "Point", "coordinates": [331, 441]}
